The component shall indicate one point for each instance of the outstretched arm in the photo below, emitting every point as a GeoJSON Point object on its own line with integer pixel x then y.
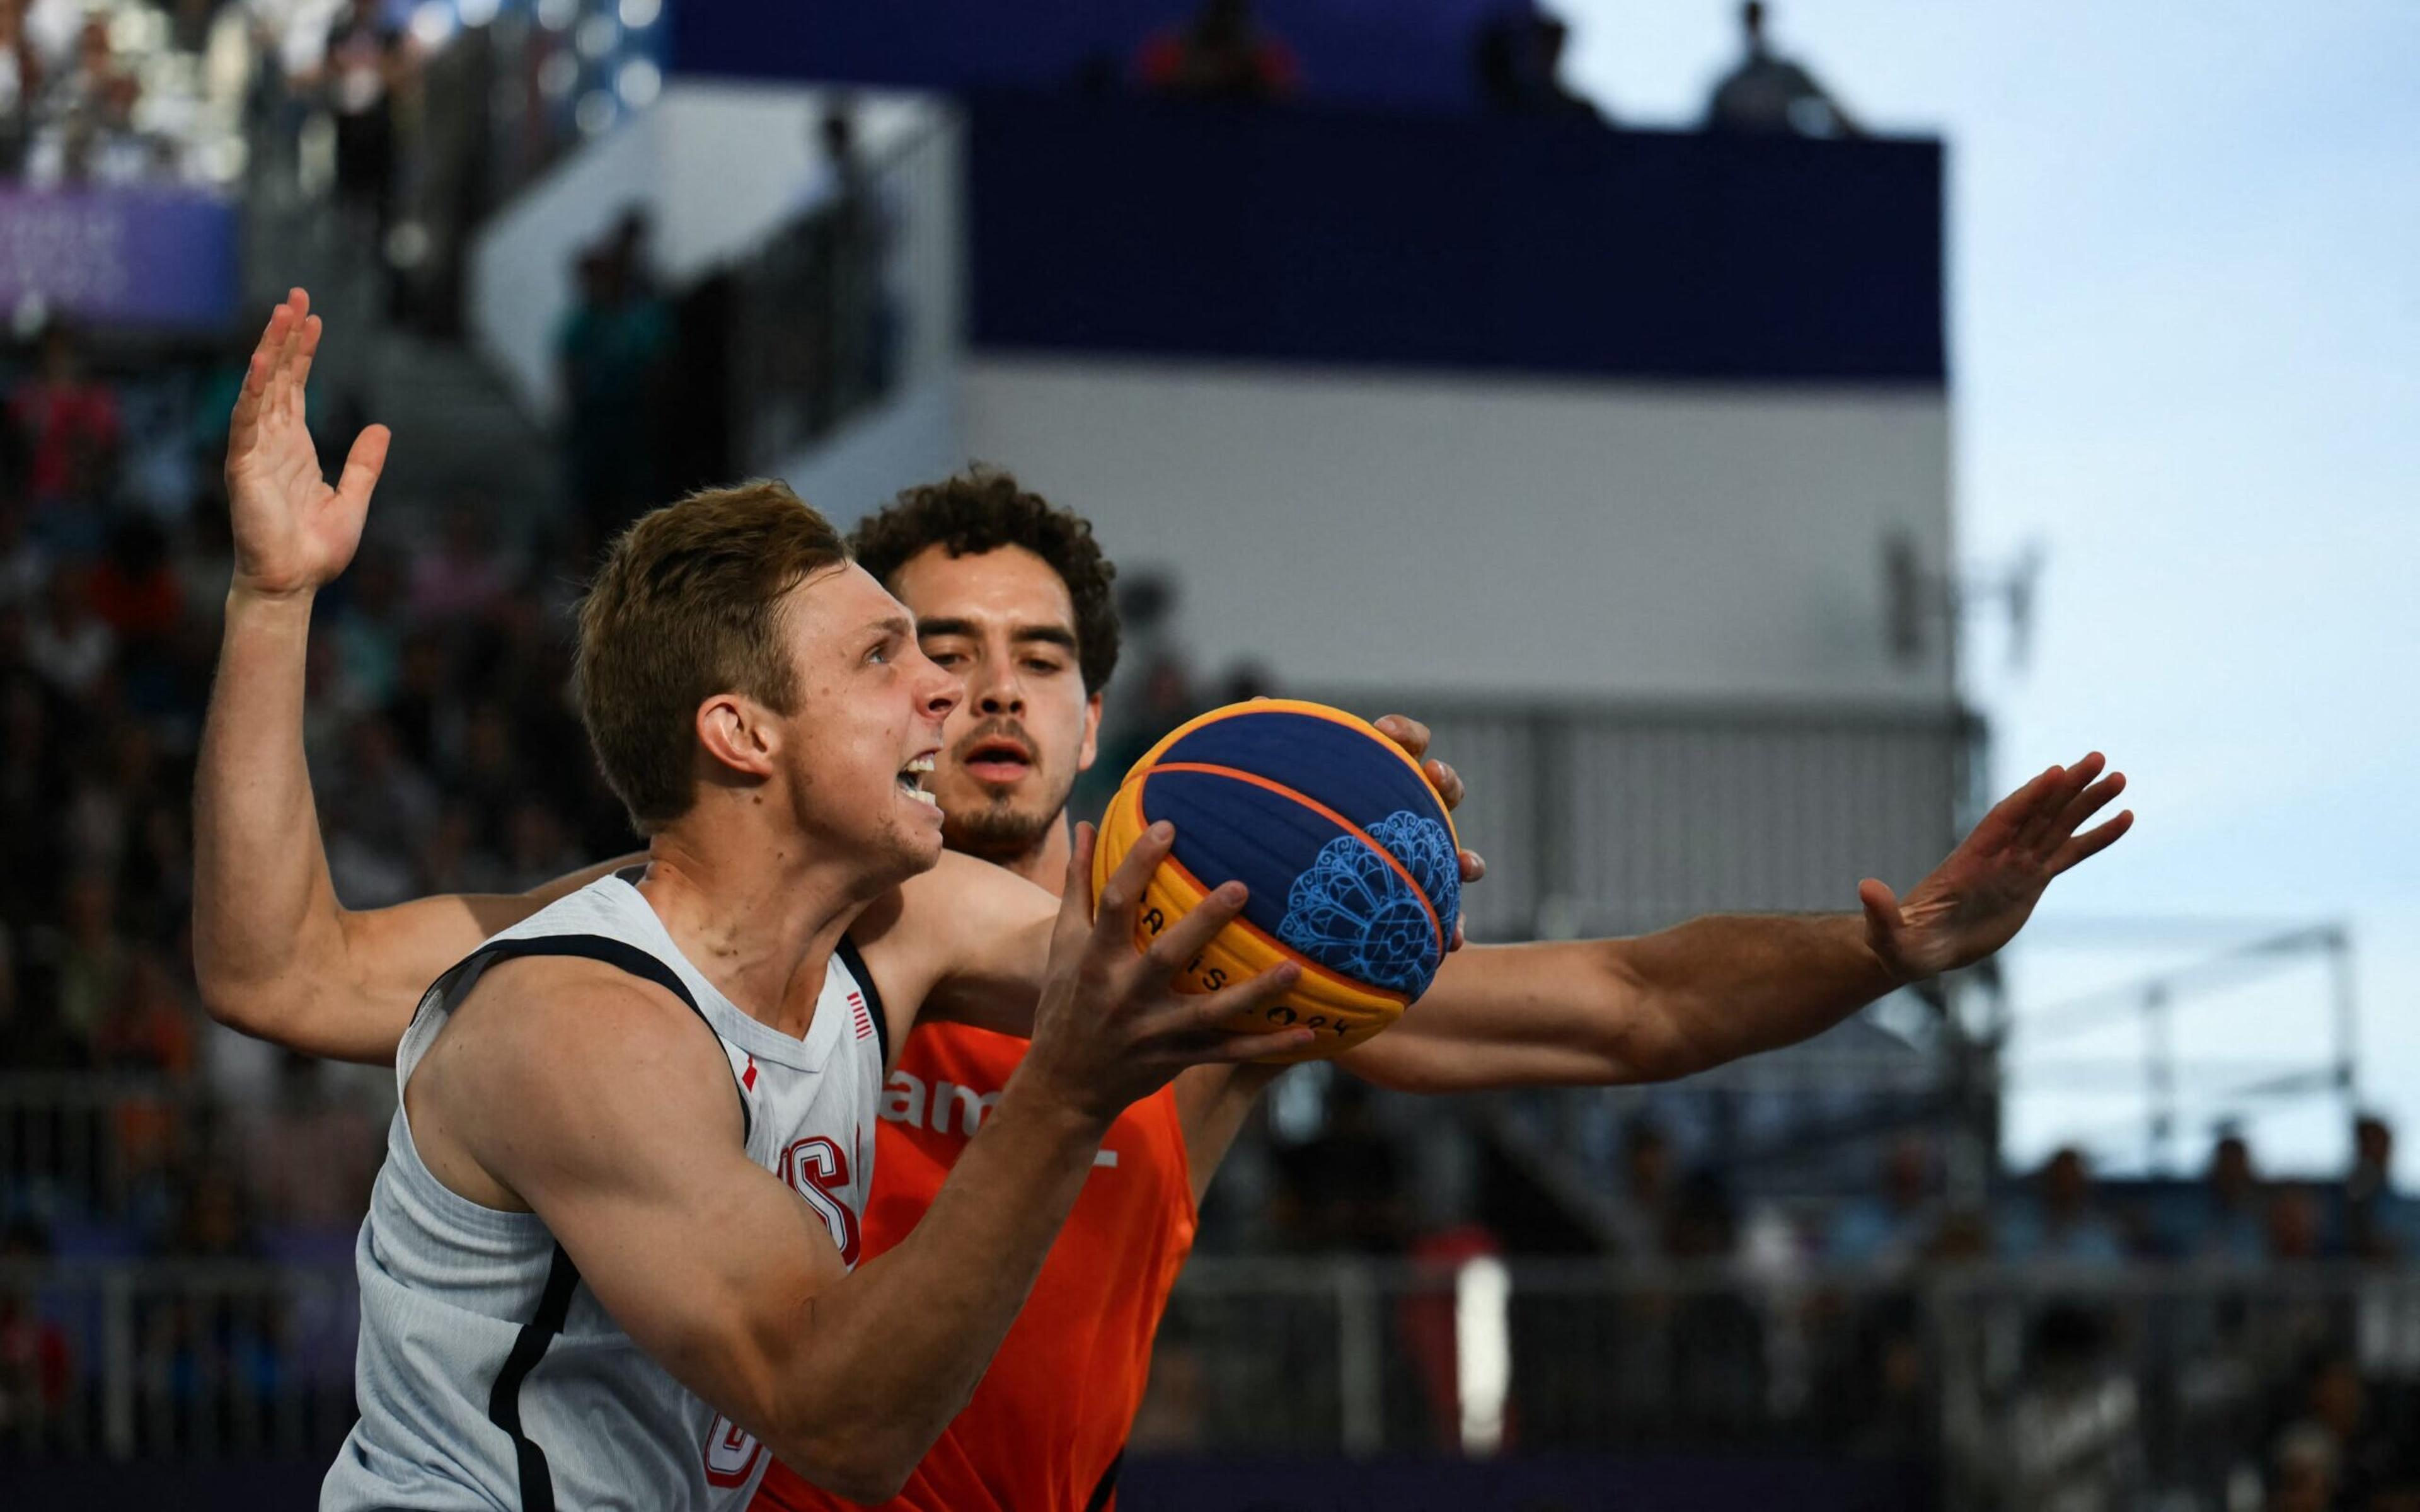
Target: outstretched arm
{"type": "Point", "coordinates": [275, 954]}
{"type": "Point", "coordinates": [1715, 989]}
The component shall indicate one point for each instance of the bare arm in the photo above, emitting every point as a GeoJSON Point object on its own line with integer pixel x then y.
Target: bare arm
{"type": "Point", "coordinates": [595, 1102]}
{"type": "Point", "coordinates": [1715, 989]}
{"type": "Point", "coordinates": [275, 954]}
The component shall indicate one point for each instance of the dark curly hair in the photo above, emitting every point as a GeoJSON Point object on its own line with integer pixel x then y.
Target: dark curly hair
{"type": "Point", "coordinates": [983, 509]}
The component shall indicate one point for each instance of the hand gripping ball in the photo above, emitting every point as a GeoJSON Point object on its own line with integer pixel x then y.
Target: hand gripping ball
{"type": "Point", "coordinates": [1349, 854]}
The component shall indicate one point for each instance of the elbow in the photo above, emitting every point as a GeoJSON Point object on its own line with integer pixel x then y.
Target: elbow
{"type": "Point", "coordinates": [869, 1469]}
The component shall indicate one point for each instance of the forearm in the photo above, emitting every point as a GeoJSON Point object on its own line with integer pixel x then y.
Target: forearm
{"type": "Point", "coordinates": [1728, 985]}
{"type": "Point", "coordinates": [898, 1348]}
{"type": "Point", "coordinates": [265, 916]}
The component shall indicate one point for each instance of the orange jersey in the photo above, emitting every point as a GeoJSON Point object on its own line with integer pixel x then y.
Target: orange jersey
{"type": "Point", "coordinates": [1050, 1415]}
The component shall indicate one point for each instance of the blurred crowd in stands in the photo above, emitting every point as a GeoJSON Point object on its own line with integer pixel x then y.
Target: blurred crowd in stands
{"type": "Point", "coordinates": [436, 738]}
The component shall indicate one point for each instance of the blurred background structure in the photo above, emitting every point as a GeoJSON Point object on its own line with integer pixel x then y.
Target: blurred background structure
{"type": "Point", "coordinates": [1395, 369]}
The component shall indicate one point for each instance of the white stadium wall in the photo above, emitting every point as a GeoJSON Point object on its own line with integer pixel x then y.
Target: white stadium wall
{"type": "Point", "coordinates": [1495, 536]}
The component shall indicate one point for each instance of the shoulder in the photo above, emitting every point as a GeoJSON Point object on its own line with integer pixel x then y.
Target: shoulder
{"type": "Point", "coordinates": [586, 1039]}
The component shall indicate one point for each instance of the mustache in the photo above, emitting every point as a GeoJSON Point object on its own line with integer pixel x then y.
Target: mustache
{"type": "Point", "coordinates": [992, 731]}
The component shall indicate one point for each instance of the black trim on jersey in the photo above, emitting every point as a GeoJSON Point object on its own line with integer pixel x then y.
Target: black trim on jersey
{"type": "Point", "coordinates": [856, 964]}
{"type": "Point", "coordinates": [504, 1399]}
{"type": "Point", "coordinates": [622, 956]}
{"type": "Point", "coordinates": [1109, 1486]}
{"type": "Point", "coordinates": [562, 1275]}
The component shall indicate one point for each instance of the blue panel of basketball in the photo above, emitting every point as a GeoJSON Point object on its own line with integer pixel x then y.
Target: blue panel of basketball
{"type": "Point", "coordinates": [1326, 762]}
{"type": "Point", "coordinates": [1347, 770]}
{"type": "Point", "coordinates": [1230, 831]}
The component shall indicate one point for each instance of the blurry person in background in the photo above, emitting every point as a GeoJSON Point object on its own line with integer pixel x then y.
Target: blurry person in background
{"type": "Point", "coordinates": [2075, 1427]}
{"type": "Point", "coordinates": [67, 427]}
{"type": "Point", "coordinates": [67, 643]}
{"type": "Point", "coordinates": [1222, 54]}
{"type": "Point", "coordinates": [610, 355]}
{"type": "Point", "coordinates": [2375, 1222]}
{"type": "Point", "coordinates": [37, 1371]}
{"type": "Point", "coordinates": [1887, 1228]}
{"type": "Point", "coordinates": [463, 576]}
{"type": "Point", "coordinates": [20, 81]}
{"type": "Point", "coordinates": [1517, 59]}
{"type": "Point", "coordinates": [2063, 1224]}
{"type": "Point", "coordinates": [2222, 1219]}
{"type": "Point", "coordinates": [2368, 1450]}
{"type": "Point", "coordinates": [368, 61]}
{"type": "Point", "coordinates": [2296, 1232]}
{"type": "Point", "coordinates": [1641, 1209]}
{"type": "Point", "coordinates": [1769, 95]}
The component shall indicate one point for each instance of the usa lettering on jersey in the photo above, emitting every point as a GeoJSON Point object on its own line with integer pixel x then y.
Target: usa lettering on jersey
{"type": "Point", "coordinates": [817, 1170]}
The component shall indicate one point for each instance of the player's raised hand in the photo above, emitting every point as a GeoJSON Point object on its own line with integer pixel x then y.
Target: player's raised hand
{"type": "Point", "coordinates": [293, 532]}
{"type": "Point", "coordinates": [1111, 1027]}
{"type": "Point", "coordinates": [1414, 737]}
{"type": "Point", "coordinates": [1975, 902]}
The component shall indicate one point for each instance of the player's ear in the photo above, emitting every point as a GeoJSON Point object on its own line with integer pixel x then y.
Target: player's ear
{"type": "Point", "coordinates": [1092, 745]}
{"type": "Point", "coordinates": [738, 733]}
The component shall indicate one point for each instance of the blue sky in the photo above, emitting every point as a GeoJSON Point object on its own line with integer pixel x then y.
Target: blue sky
{"type": "Point", "coordinates": [2185, 344]}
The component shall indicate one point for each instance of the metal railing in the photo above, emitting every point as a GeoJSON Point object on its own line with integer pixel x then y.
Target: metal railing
{"type": "Point", "coordinates": [2143, 1380]}
{"type": "Point", "coordinates": [1622, 818]}
{"type": "Point", "coordinates": [857, 300]}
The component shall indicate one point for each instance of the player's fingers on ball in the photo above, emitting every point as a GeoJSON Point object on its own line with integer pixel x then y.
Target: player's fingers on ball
{"type": "Point", "coordinates": [1237, 1049]}
{"type": "Point", "coordinates": [1474, 866]}
{"type": "Point", "coordinates": [1185, 937]}
{"type": "Point", "coordinates": [1122, 895]}
{"type": "Point", "coordinates": [1076, 898]}
{"type": "Point", "coordinates": [1447, 782]}
{"type": "Point", "coordinates": [1407, 732]}
{"type": "Point", "coordinates": [1245, 997]}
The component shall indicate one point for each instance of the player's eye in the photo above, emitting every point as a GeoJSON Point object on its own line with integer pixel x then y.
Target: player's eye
{"type": "Point", "coordinates": [1042, 665]}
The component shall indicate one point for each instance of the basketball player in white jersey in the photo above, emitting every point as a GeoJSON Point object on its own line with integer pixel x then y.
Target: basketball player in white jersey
{"type": "Point", "coordinates": [610, 1260]}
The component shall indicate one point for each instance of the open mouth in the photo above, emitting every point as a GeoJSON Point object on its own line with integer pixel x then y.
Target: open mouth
{"type": "Point", "coordinates": [998, 760]}
{"type": "Point", "coordinates": [912, 780]}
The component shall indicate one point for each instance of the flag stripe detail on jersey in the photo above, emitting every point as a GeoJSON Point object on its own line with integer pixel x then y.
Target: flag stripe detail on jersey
{"type": "Point", "coordinates": [505, 1402]}
{"type": "Point", "coordinates": [856, 964]}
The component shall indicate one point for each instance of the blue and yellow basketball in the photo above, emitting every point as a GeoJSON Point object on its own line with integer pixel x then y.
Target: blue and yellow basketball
{"type": "Point", "coordinates": [1349, 854]}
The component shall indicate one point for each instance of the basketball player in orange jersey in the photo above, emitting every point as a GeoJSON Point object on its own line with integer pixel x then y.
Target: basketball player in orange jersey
{"type": "Point", "coordinates": [1013, 596]}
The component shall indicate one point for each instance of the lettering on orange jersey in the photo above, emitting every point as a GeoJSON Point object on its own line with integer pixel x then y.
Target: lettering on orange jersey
{"type": "Point", "coordinates": [946, 1107]}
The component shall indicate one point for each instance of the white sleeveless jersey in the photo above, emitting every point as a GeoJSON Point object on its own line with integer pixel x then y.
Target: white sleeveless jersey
{"type": "Point", "coordinates": [488, 1376]}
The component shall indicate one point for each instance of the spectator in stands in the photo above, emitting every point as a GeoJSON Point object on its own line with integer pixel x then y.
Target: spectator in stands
{"type": "Point", "coordinates": [69, 426]}
{"type": "Point", "coordinates": [368, 63]}
{"type": "Point", "coordinates": [1890, 1229]}
{"type": "Point", "coordinates": [94, 959]}
{"type": "Point", "coordinates": [1769, 95]}
{"type": "Point", "coordinates": [151, 1026]}
{"type": "Point", "coordinates": [2075, 1429]}
{"type": "Point", "coordinates": [368, 633]}
{"type": "Point", "coordinates": [24, 566]}
{"type": "Point", "coordinates": [20, 83]}
{"type": "Point", "coordinates": [1222, 54]}
{"type": "Point", "coordinates": [610, 354]}
{"type": "Point", "coordinates": [67, 643]}
{"type": "Point", "coordinates": [132, 589]}
{"type": "Point", "coordinates": [2337, 1426]}
{"type": "Point", "coordinates": [462, 577]}
{"type": "Point", "coordinates": [37, 1372]}
{"type": "Point", "coordinates": [2062, 1224]}
{"type": "Point", "coordinates": [1641, 1210]}
{"type": "Point", "coordinates": [309, 1157]}
{"type": "Point", "coordinates": [2296, 1233]}
{"type": "Point", "coordinates": [2223, 1219]}
{"type": "Point", "coordinates": [1347, 1182]}
{"type": "Point", "coordinates": [2375, 1222]}
{"type": "Point", "coordinates": [1517, 56]}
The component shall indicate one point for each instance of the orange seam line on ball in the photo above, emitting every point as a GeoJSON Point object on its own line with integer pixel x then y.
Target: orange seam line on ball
{"type": "Point", "coordinates": [1324, 811]}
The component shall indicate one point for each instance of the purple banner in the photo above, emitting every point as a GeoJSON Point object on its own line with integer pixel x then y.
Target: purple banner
{"type": "Point", "coordinates": [155, 259]}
